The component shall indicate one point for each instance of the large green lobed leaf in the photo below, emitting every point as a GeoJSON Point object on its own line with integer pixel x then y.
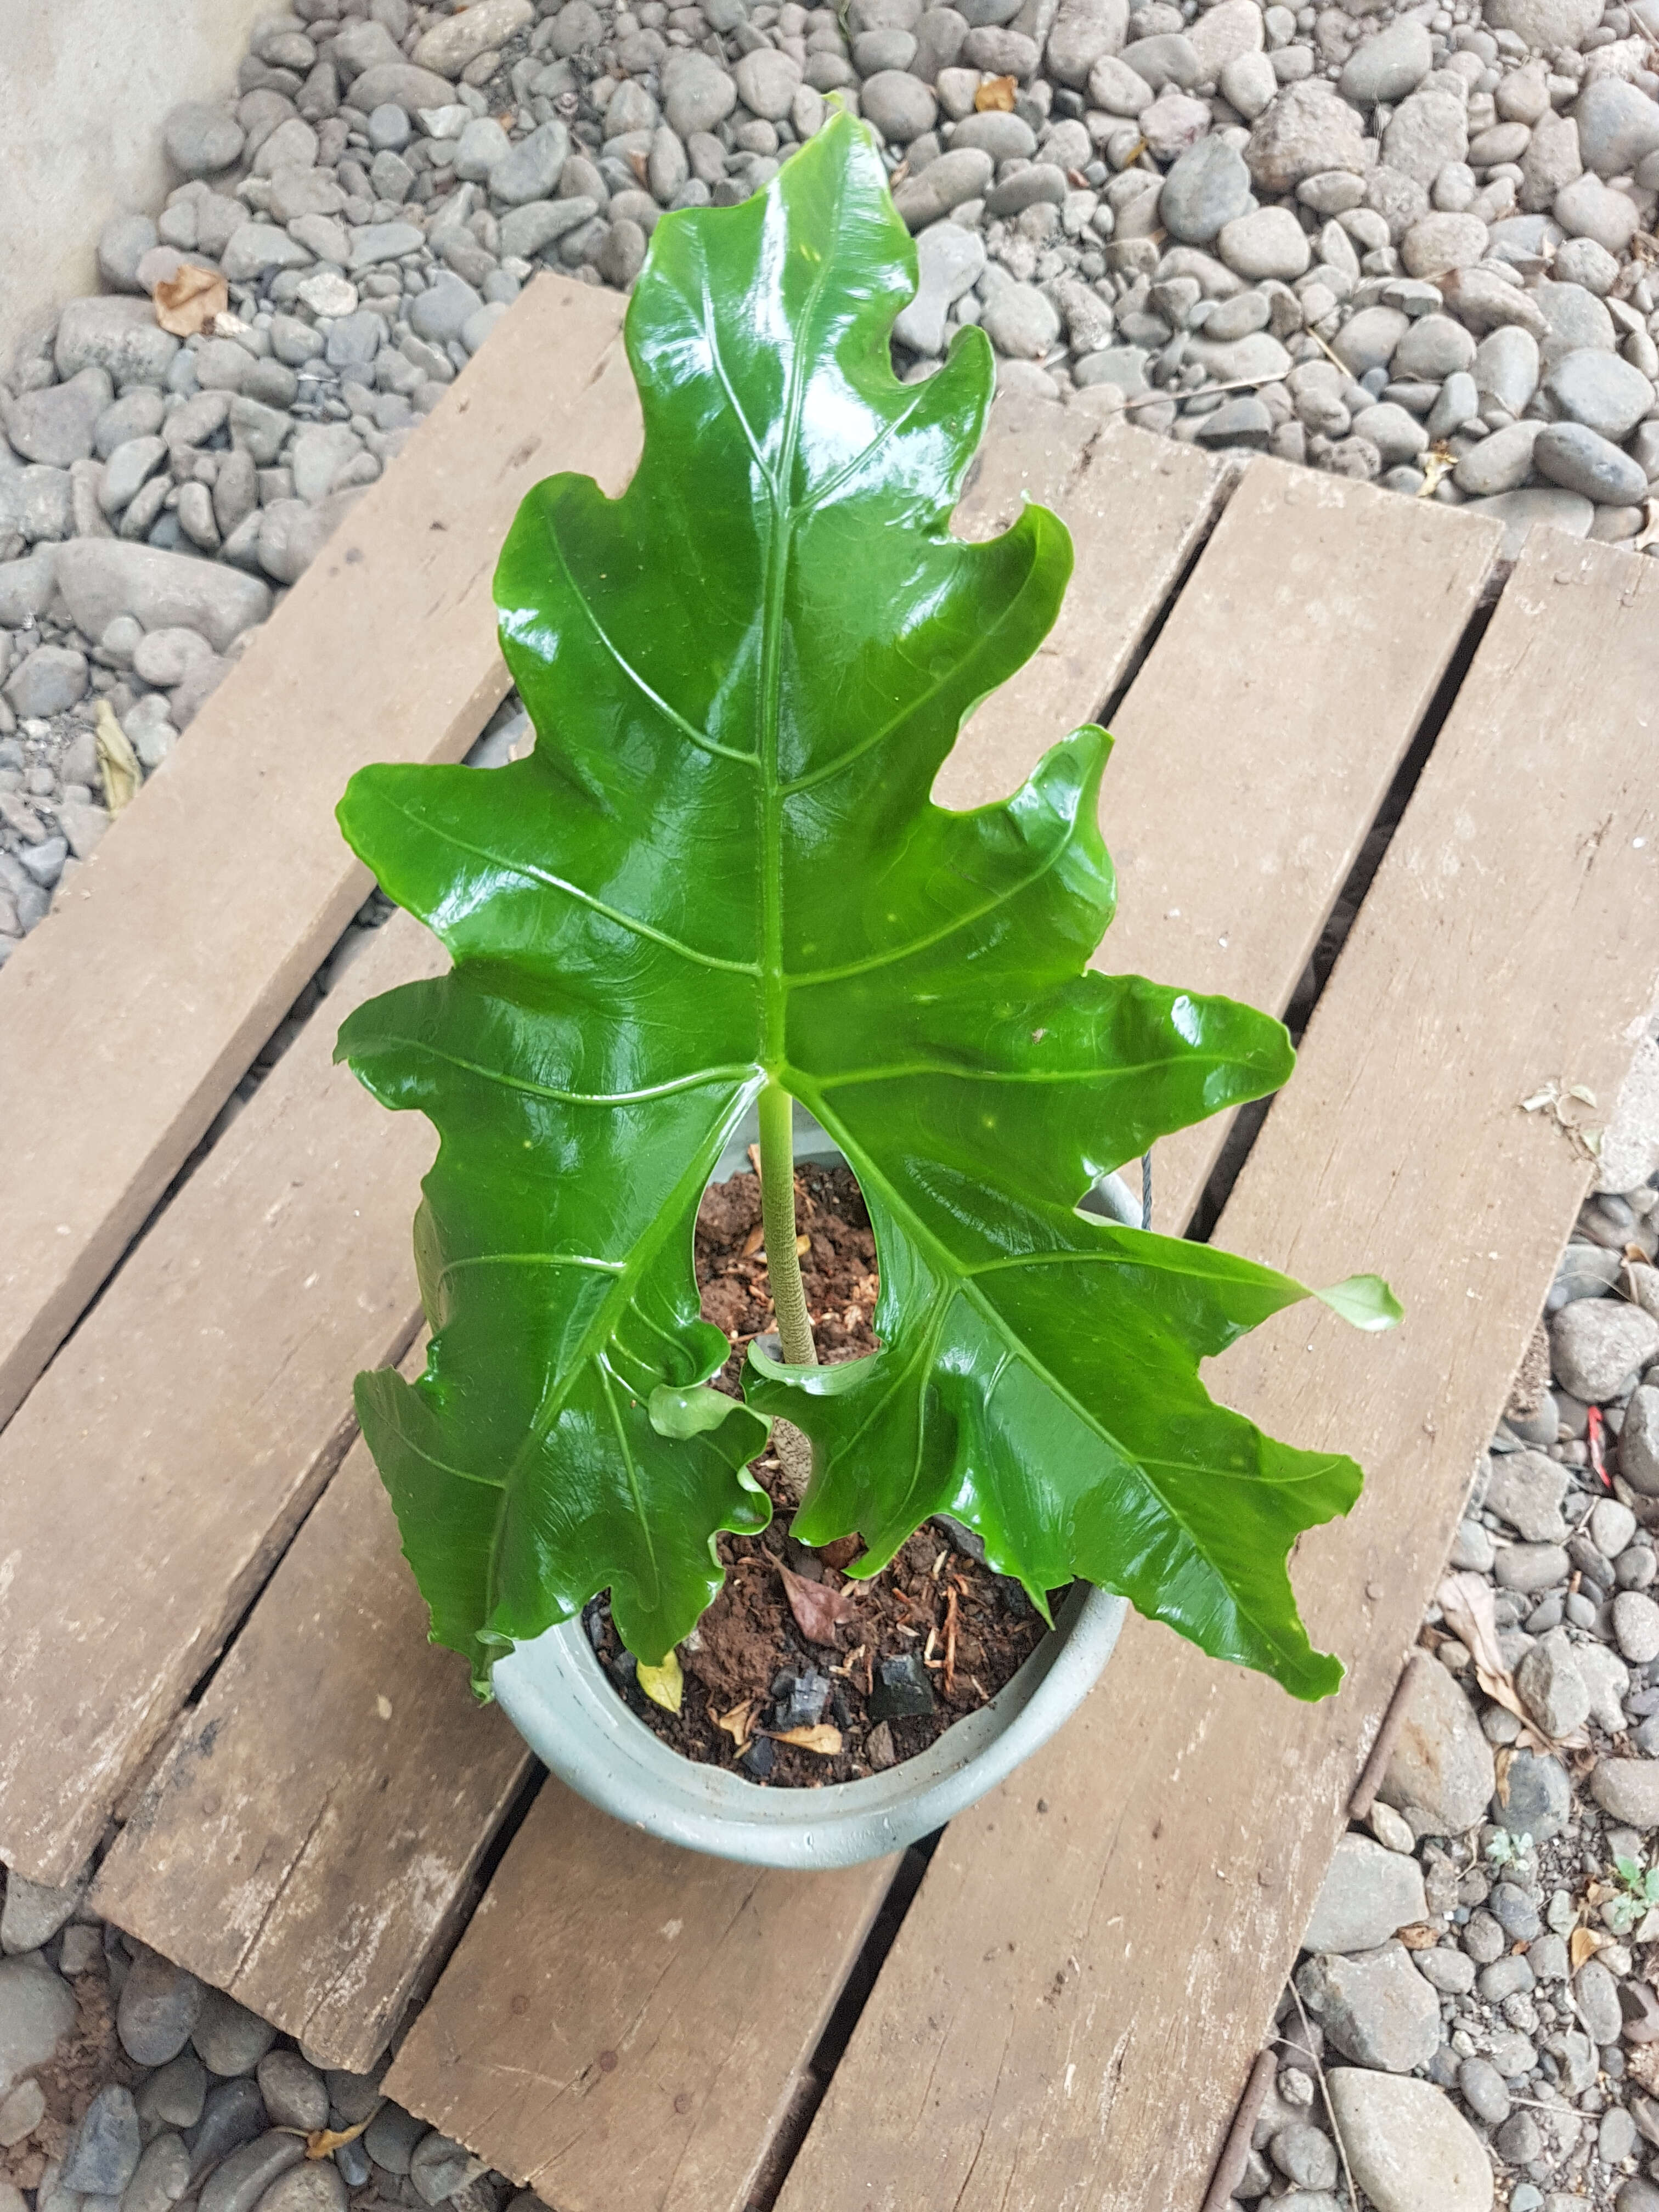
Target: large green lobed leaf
{"type": "Point", "coordinates": [720, 868]}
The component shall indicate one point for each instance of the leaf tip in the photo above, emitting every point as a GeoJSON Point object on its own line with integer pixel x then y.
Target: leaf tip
{"type": "Point", "coordinates": [1364, 1302]}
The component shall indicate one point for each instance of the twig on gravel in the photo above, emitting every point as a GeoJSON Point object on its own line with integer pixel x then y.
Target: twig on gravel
{"type": "Point", "coordinates": [1370, 1775]}
{"type": "Point", "coordinates": [1229, 2167]}
{"type": "Point", "coordinates": [1324, 2091]}
{"type": "Point", "coordinates": [1237, 384]}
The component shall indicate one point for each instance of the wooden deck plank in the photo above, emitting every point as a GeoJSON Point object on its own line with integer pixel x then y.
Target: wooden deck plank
{"type": "Point", "coordinates": [1286, 688]}
{"type": "Point", "coordinates": [1138, 507]}
{"type": "Point", "coordinates": [321, 1813]}
{"type": "Point", "coordinates": [1145, 1902]}
{"type": "Point", "coordinates": [469, 2011]}
{"type": "Point", "coordinates": [386, 646]}
{"type": "Point", "coordinates": [154, 1474]}
{"type": "Point", "coordinates": [624, 2022]}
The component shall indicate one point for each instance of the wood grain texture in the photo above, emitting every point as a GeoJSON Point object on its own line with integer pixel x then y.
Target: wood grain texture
{"type": "Point", "coordinates": [1147, 1878]}
{"type": "Point", "coordinates": [1284, 690]}
{"type": "Point", "coordinates": [320, 1814]}
{"type": "Point", "coordinates": [163, 973]}
{"type": "Point", "coordinates": [1138, 507]}
{"type": "Point", "coordinates": [154, 1474]}
{"type": "Point", "coordinates": [624, 2022]}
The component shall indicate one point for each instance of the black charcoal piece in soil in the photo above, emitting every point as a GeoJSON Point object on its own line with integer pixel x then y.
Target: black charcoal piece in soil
{"type": "Point", "coordinates": [929, 1639]}
{"type": "Point", "coordinates": [902, 1690]}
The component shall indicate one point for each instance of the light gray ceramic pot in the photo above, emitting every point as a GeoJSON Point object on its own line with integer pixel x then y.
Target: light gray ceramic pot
{"type": "Point", "coordinates": [556, 1694]}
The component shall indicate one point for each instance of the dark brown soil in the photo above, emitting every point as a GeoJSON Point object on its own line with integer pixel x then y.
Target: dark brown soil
{"type": "Point", "coordinates": [936, 1629]}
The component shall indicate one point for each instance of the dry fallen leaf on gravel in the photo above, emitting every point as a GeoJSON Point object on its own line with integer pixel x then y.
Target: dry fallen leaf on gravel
{"type": "Point", "coordinates": [1465, 1601]}
{"type": "Point", "coordinates": [122, 777]}
{"type": "Point", "coordinates": [996, 94]}
{"type": "Point", "coordinates": [187, 302]}
{"type": "Point", "coordinates": [817, 1607]}
{"type": "Point", "coordinates": [1583, 1943]}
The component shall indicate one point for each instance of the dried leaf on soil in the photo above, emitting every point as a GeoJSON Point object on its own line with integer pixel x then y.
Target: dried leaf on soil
{"type": "Point", "coordinates": [122, 777]}
{"type": "Point", "coordinates": [187, 302]}
{"type": "Point", "coordinates": [823, 1738]}
{"type": "Point", "coordinates": [817, 1607]}
{"type": "Point", "coordinates": [739, 1723]}
{"type": "Point", "coordinates": [665, 1686]}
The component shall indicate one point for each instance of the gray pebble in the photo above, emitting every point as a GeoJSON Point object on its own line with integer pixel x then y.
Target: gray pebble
{"type": "Point", "coordinates": [161, 2177]}
{"type": "Point", "coordinates": [241, 2181]}
{"type": "Point", "coordinates": [295, 2096]}
{"type": "Point", "coordinates": [174, 2094]}
{"type": "Point", "coordinates": [391, 2137]}
{"type": "Point", "coordinates": [1485, 2091]}
{"type": "Point", "coordinates": [229, 2039]}
{"type": "Point", "coordinates": [316, 2186]}
{"type": "Point", "coordinates": [102, 2155]}
{"type": "Point", "coordinates": [160, 2005]}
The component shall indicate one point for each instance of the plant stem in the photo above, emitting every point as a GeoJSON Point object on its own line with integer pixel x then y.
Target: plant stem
{"type": "Point", "coordinates": [777, 1164]}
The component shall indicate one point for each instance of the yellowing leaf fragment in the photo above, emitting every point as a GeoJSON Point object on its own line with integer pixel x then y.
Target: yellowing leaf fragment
{"type": "Point", "coordinates": [123, 776]}
{"type": "Point", "coordinates": [665, 1686]}
{"type": "Point", "coordinates": [187, 302]}
{"type": "Point", "coordinates": [996, 94]}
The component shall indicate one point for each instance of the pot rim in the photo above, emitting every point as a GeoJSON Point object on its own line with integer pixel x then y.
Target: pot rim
{"type": "Point", "coordinates": [556, 1695]}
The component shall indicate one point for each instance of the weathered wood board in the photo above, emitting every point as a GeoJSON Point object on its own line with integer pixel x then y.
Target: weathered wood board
{"type": "Point", "coordinates": [319, 1814]}
{"type": "Point", "coordinates": [1286, 689]}
{"type": "Point", "coordinates": [1144, 1907]}
{"type": "Point", "coordinates": [461, 2016]}
{"type": "Point", "coordinates": [623, 2021]}
{"type": "Point", "coordinates": [386, 647]}
{"type": "Point", "coordinates": [154, 1474]}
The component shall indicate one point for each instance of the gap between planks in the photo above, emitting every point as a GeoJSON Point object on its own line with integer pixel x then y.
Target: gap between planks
{"type": "Point", "coordinates": [655, 2129]}
{"type": "Point", "coordinates": [1092, 2056]}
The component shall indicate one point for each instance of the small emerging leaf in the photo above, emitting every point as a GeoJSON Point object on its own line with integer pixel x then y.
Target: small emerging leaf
{"type": "Point", "coordinates": [823, 1739]}
{"type": "Point", "coordinates": [665, 1684]}
{"type": "Point", "coordinates": [1366, 1301]}
{"type": "Point", "coordinates": [817, 1609]}
{"type": "Point", "coordinates": [1628, 1870]}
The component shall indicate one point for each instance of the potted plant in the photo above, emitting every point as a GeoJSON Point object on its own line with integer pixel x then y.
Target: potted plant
{"type": "Point", "coordinates": [718, 888]}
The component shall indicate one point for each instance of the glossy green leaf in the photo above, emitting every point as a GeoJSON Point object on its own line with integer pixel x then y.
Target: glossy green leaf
{"type": "Point", "coordinates": [720, 868]}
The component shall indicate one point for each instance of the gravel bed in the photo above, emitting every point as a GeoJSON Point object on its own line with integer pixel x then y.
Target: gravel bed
{"type": "Point", "coordinates": [1413, 244]}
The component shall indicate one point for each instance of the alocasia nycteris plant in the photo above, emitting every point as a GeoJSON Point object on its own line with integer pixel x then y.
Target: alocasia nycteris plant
{"type": "Point", "coordinates": [720, 881]}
